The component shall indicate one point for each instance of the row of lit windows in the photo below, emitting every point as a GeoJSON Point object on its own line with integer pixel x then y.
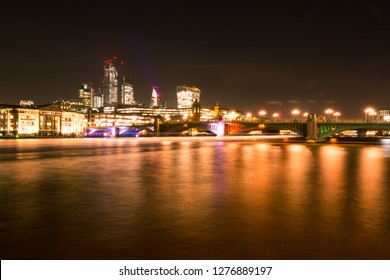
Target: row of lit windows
{"type": "Point", "coordinates": [27, 118]}
{"type": "Point", "coordinates": [115, 116]}
{"type": "Point", "coordinates": [28, 123]}
{"type": "Point", "coordinates": [35, 112]}
{"type": "Point", "coordinates": [28, 129]}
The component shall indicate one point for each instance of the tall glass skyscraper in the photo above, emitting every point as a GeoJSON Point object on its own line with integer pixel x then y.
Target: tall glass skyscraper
{"type": "Point", "coordinates": [186, 96]}
{"type": "Point", "coordinates": [154, 100]}
{"type": "Point", "coordinates": [110, 84]}
{"type": "Point", "coordinates": [127, 93]}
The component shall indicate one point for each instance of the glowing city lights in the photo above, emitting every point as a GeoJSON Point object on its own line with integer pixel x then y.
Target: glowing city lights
{"type": "Point", "coordinates": [295, 113]}
{"type": "Point", "coordinates": [328, 111]}
{"type": "Point", "coordinates": [336, 115]}
{"type": "Point", "coordinates": [328, 114]}
{"type": "Point", "coordinates": [369, 113]}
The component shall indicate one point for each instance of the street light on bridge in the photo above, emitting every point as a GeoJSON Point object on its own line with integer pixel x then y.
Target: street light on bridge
{"type": "Point", "coordinates": [276, 116]}
{"type": "Point", "coordinates": [369, 113]}
{"type": "Point", "coordinates": [328, 113]}
{"type": "Point", "coordinates": [336, 115]}
{"type": "Point", "coordinates": [262, 113]}
{"type": "Point", "coordinates": [295, 113]}
{"type": "Point", "coordinates": [373, 115]}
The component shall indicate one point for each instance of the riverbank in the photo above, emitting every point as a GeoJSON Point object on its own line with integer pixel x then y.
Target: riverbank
{"type": "Point", "coordinates": [266, 138]}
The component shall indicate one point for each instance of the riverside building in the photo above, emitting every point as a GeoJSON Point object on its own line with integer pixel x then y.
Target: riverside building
{"type": "Point", "coordinates": [51, 120]}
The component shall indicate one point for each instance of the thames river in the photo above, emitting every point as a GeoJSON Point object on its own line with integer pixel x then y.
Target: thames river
{"type": "Point", "coordinates": [193, 198]}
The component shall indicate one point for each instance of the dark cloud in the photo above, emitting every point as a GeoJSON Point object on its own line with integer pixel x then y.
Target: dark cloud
{"type": "Point", "coordinates": [292, 101]}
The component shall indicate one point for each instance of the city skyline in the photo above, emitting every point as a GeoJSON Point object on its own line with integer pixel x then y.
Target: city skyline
{"type": "Point", "coordinates": [275, 56]}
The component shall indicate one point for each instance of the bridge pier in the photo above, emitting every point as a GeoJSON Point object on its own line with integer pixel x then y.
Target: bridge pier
{"type": "Point", "coordinates": [157, 126]}
{"type": "Point", "coordinates": [361, 133]}
{"type": "Point", "coordinates": [221, 128]}
{"type": "Point", "coordinates": [312, 128]}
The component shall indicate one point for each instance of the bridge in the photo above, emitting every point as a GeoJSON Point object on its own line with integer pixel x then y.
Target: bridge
{"type": "Point", "coordinates": [311, 129]}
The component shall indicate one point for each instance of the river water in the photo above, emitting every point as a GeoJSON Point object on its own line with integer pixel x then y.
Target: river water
{"type": "Point", "coordinates": [193, 198]}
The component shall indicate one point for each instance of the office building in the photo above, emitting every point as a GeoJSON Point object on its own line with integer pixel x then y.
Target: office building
{"type": "Point", "coordinates": [384, 115]}
{"type": "Point", "coordinates": [110, 83]}
{"type": "Point", "coordinates": [86, 95]}
{"type": "Point", "coordinates": [127, 92]}
{"type": "Point", "coordinates": [187, 96]}
{"type": "Point", "coordinates": [98, 101]}
{"type": "Point", "coordinates": [155, 99]}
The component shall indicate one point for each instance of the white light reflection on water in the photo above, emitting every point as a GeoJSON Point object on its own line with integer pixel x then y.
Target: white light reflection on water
{"type": "Point", "coordinates": [386, 146]}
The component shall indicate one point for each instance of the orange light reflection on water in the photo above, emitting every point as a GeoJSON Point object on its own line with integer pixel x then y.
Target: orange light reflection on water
{"type": "Point", "coordinates": [331, 181]}
{"type": "Point", "coordinates": [371, 194]}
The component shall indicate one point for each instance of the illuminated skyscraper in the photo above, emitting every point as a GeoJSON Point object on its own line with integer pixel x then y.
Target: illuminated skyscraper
{"type": "Point", "coordinates": [97, 98]}
{"type": "Point", "coordinates": [86, 95]}
{"type": "Point", "coordinates": [127, 93]}
{"type": "Point", "coordinates": [186, 96]}
{"type": "Point", "coordinates": [154, 101]}
{"type": "Point", "coordinates": [110, 83]}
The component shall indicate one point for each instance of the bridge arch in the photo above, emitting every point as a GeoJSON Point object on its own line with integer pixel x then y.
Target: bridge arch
{"type": "Point", "coordinates": [358, 126]}
{"type": "Point", "coordinates": [270, 127]}
{"type": "Point", "coordinates": [190, 128]}
{"type": "Point", "coordinates": [102, 132]}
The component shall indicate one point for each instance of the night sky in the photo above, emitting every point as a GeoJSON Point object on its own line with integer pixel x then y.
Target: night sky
{"type": "Point", "coordinates": [246, 55]}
